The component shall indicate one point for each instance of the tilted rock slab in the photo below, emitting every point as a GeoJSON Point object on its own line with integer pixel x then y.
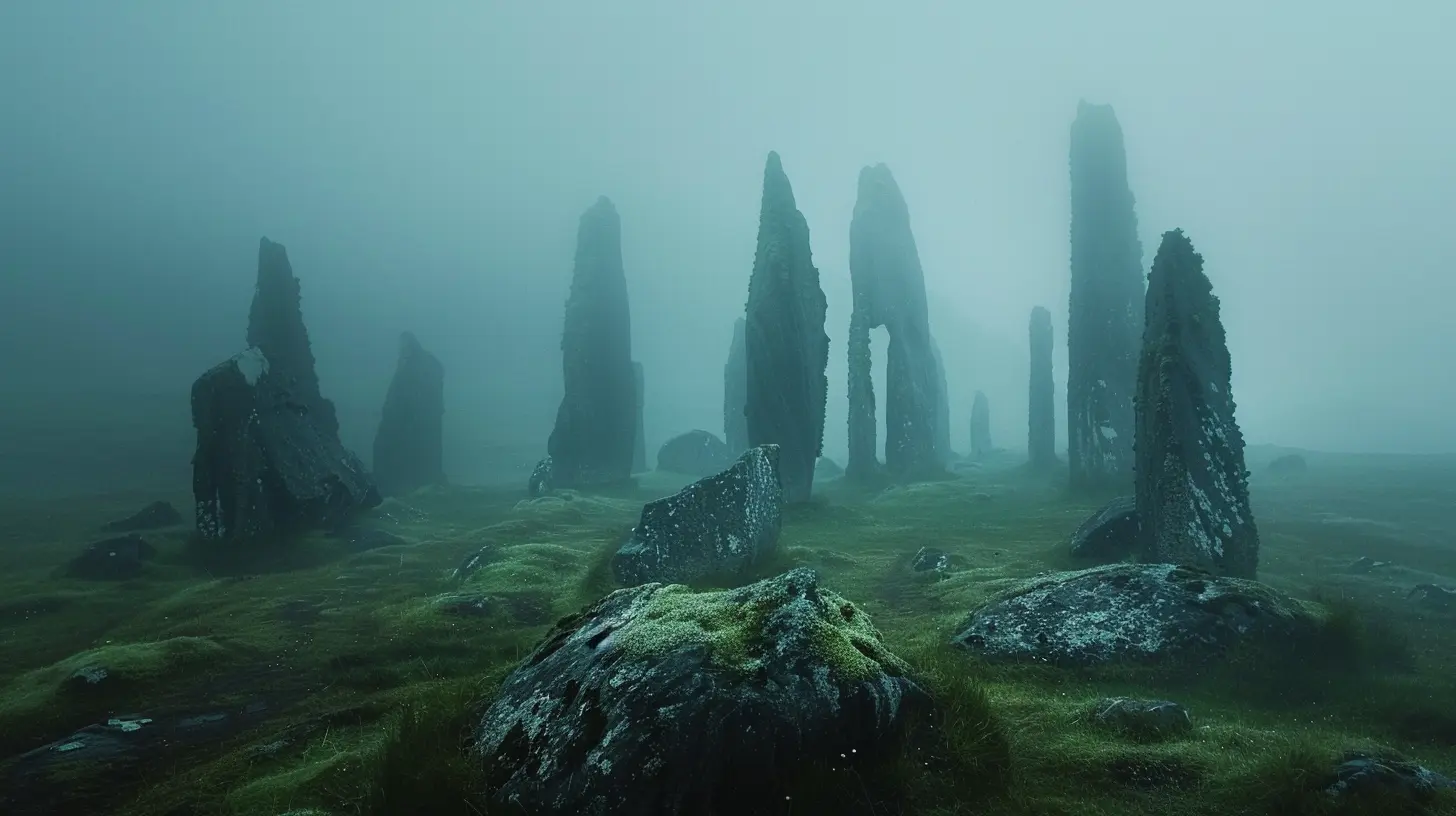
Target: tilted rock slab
{"type": "Point", "coordinates": [720, 525]}
{"type": "Point", "coordinates": [660, 700]}
{"type": "Point", "coordinates": [1131, 613]}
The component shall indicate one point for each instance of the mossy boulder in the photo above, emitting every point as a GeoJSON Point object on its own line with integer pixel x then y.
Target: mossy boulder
{"type": "Point", "coordinates": [661, 699]}
{"type": "Point", "coordinates": [1133, 613]}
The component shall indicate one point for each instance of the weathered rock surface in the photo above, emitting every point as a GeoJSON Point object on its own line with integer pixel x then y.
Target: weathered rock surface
{"type": "Point", "coordinates": [735, 391]}
{"type": "Point", "coordinates": [596, 425]}
{"type": "Point", "coordinates": [154, 516]}
{"type": "Point", "coordinates": [1131, 613]}
{"type": "Point", "coordinates": [889, 291]}
{"type": "Point", "coordinates": [787, 349]}
{"type": "Point", "coordinates": [1110, 534]}
{"type": "Point", "coordinates": [266, 464]}
{"type": "Point", "coordinates": [114, 559]}
{"type": "Point", "coordinates": [1363, 774]}
{"type": "Point", "coordinates": [541, 481]}
{"type": "Point", "coordinates": [1192, 486]}
{"type": "Point", "coordinates": [720, 525]}
{"type": "Point", "coordinates": [409, 445]}
{"type": "Point", "coordinates": [660, 700]}
{"type": "Point", "coordinates": [639, 444]}
{"type": "Point", "coordinates": [1041, 436]}
{"type": "Point", "coordinates": [980, 426]}
{"type": "Point", "coordinates": [1106, 304]}
{"type": "Point", "coordinates": [695, 453]}
{"type": "Point", "coordinates": [1142, 719]}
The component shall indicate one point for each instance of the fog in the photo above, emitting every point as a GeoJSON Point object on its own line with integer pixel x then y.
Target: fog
{"type": "Point", "coordinates": [426, 164]}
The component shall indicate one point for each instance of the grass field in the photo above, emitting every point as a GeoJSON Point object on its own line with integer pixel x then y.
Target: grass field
{"type": "Point", "coordinates": [341, 684]}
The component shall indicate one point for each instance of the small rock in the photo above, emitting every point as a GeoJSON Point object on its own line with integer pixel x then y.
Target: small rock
{"type": "Point", "coordinates": [153, 516]}
{"type": "Point", "coordinates": [466, 604]}
{"type": "Point", "coordinates": [1110, 534]}
{"type": "Point", "coordinates": [695, 453]}
{"type": "Point", "coordinates": [1360, 773]}
{"type": "Point", "coordinates": [541, 478]}
{"type": "Point", "coordinates": [930, 559]}
{"type": "Point", "coordinates": [1434, 597]}
{"type": "Point", "coordinates": [826, 468]}
{"type": "Point", "coordinates": [114, 559]}
{"type": "Point", "coordinates": [88, 679]}
{"type": "Point", "coordinates": [1143, 718]}
{"type": "Point", "coordinates": [1287, 464]}
{"type": "Point", "coordinates": [1365, 564]}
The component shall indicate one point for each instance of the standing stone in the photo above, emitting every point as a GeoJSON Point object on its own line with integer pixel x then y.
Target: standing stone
{"type": "Point", "coordinates": [596, 426]}
{"type": "Point", "coordinates": [980, 426]}
{"type": "Point", "coordinates": [889, 291]}
{"type": "Point", "coordinates": [943, 451]}
{"type": "Point", "coordinates": [787, 349]}
{"type": "Point", "coordinates": [1192, 486]}
{"type": "Point", "coordinates": [409, 445]}
{"type": "Point", "coordinates": [1041, 439]}
{"type": "Point", "coordinates": [735, 391]}
{"type": "Point", "coordinates": [1106, 313]}
{"type": "Point", "coordinates": [639, 450]}
{"type": "Point", "coordinates": [268, 460]}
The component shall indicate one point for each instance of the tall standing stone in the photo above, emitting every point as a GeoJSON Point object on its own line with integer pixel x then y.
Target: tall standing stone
{"type": "Point", "coordinates": [268, 460]}
{"type": "Point", "coordinates": [1192, 486]}
{"type": "Point", "coordinates": [596, 425]}
{"type": "Point", "coordinates": [1041, 434]}
{"type": "Point", "coordinates": [735, 391]}
{"type": "Point", "coordinates": [980, 426]}
{"type": "Point", "coordinates": [409, 444]}
{"type": "Point", "coordinates": [787, 349]}
{"type": "Point", "coordinates": [639, 447]}
{"type": "Point", "coordinates": [889, 291]}
{"type": "Point", "coordinates": [1106, 304]}
{"type": "Point", "coordinates": [942, 407]}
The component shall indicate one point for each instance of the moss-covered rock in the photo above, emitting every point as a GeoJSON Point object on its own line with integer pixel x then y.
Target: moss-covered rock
{"type": "Point", "coordinates": [661, 696]}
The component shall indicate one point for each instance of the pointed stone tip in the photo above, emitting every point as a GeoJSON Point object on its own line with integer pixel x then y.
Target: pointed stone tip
{"type": "Point", "coordinates": [408, 342]}
{"type": "Point", "coordinates": [774, 164]}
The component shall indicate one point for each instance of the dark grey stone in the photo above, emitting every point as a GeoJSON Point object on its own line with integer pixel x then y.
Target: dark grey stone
{"type": "Point", "coordinates": [735, 391]}
{"type": "Point", "coordinates": [717, 526]}
{"type": "Point", "coordinates": [1145, 719]}
{"type": "Point", "coordinates": [1041, 437]}
{"type": "Point", "coordinates": [1363, 774]}
{"type": "Point", "coordinates": [695, 453]}
{"type": "Point", "coordinates": [1131, 613]}
{"type": "Point", "coordinates": [1288, 464]}
{"type": "Point", "coordinates": [154, 516]}
{"type": "Point", "coordinates": [1110, 534]}
{"type": "Point", "coordinates": [980, 426]}
{"type": "Point", "coordinates": [541, 481]}
{"type": "Point", "coordinates": [409, 446]}
{"type": "Point", "coordinates": [660, 700]}
{"type": "Point", "coordinates": [113, 559]}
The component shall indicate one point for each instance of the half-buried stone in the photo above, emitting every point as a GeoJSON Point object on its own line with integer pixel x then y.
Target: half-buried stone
{"type": "Point", "coordinates": [720, 526]}
{"type": "Point", "coordinates": [1133, 613]}
{"type": "Point", "coordinates": [661, 700]}
{"type": "Point", "coordinates": [1110, 534]}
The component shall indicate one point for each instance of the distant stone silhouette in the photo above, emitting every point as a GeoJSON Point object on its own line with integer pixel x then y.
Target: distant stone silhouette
{"type": "Point", "coordinates": [787, 349]}
{"type": "Point", "coordinates": [889, 291]}
{"type": "Point", "coordinates": [735, 391]}
{"type": "Point", "coordinates": [1041, 438]}
{"type": "Point", "coordinates": [268, 458]}
{"type": "Point", "coordinates": [639, 449]}
{"type": "Point", "coordinates": [1106, 314]}
{"type": "Point", "coordinates": [1192, 486]}
{"type": "Point", "coordinates": [943, 452]}
{"type": "Point", "coordinates": [980, 426]}
{"type": "Point", "coordinates": [596, 425]}
{"type": "Point", "coordinates": [409, 445]}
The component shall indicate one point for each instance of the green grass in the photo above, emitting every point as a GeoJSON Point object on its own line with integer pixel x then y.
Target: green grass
{"type": "Point", "coordinates": [373, 690]}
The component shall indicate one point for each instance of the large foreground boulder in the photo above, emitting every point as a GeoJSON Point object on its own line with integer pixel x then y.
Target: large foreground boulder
{"type": "Point", "coordinates": [695, 453]}
{"type": "Point", "coordinates": [1132, 613]}
{"type": "Point", "coordinates": [265, 464]}
{"type": "Point", "coordinates": [1110, 534]}
{"type": "Point", "coordinates": [721, 525]}
{"type": "Point", "coordinates": [659, 700]}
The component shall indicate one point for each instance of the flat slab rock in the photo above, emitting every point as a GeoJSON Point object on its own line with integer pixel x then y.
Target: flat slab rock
{"type": "Point", "coordinates": [1130, 613]}
{"type": "Point", "coordinates": [721, 525]}
{"type": "Point", "coordinates": [661, 700]}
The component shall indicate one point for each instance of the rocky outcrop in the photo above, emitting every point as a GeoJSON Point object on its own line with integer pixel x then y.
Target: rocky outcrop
{"type": "Point", "coordinates": [660, 700]}
{"type": "Point", "coordinates": [787, 349]}
{"type": "Point", "coordinates": [1106, 314]}
{"type": "Point", "coordinates": [639, 444]}
{"type": "Point", "coordinates": [735, 391]}
{"type": "Point", "coordinates": [889, 291]}
{"type": "Point", "coordinates": [695, 453]}
{"type": "Point", "coordinates": [1110, 534]}
{"type": "Point", "coordinates": [156, 515]}
{"type": "Point", "coordinates": [718, 526]}
{"type": "Point", "coordinates": [1192, 487]}
{"type": "Point", "coordinates": [268, 459]}
{"type": "Point", "coordinates": [1132, 613]}
{"type": "Point", "coordinates": [409, 446]}
{"type": "Point", "coordinates": [980, 426]}
{"type": "Point", "coordinates": [596, 425]}
{"type": "Point", "coordinates": [1041, 437]}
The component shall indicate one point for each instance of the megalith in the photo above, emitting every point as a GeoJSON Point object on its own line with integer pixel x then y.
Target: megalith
{"type": "Point", "coordinates": [409, 444]}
